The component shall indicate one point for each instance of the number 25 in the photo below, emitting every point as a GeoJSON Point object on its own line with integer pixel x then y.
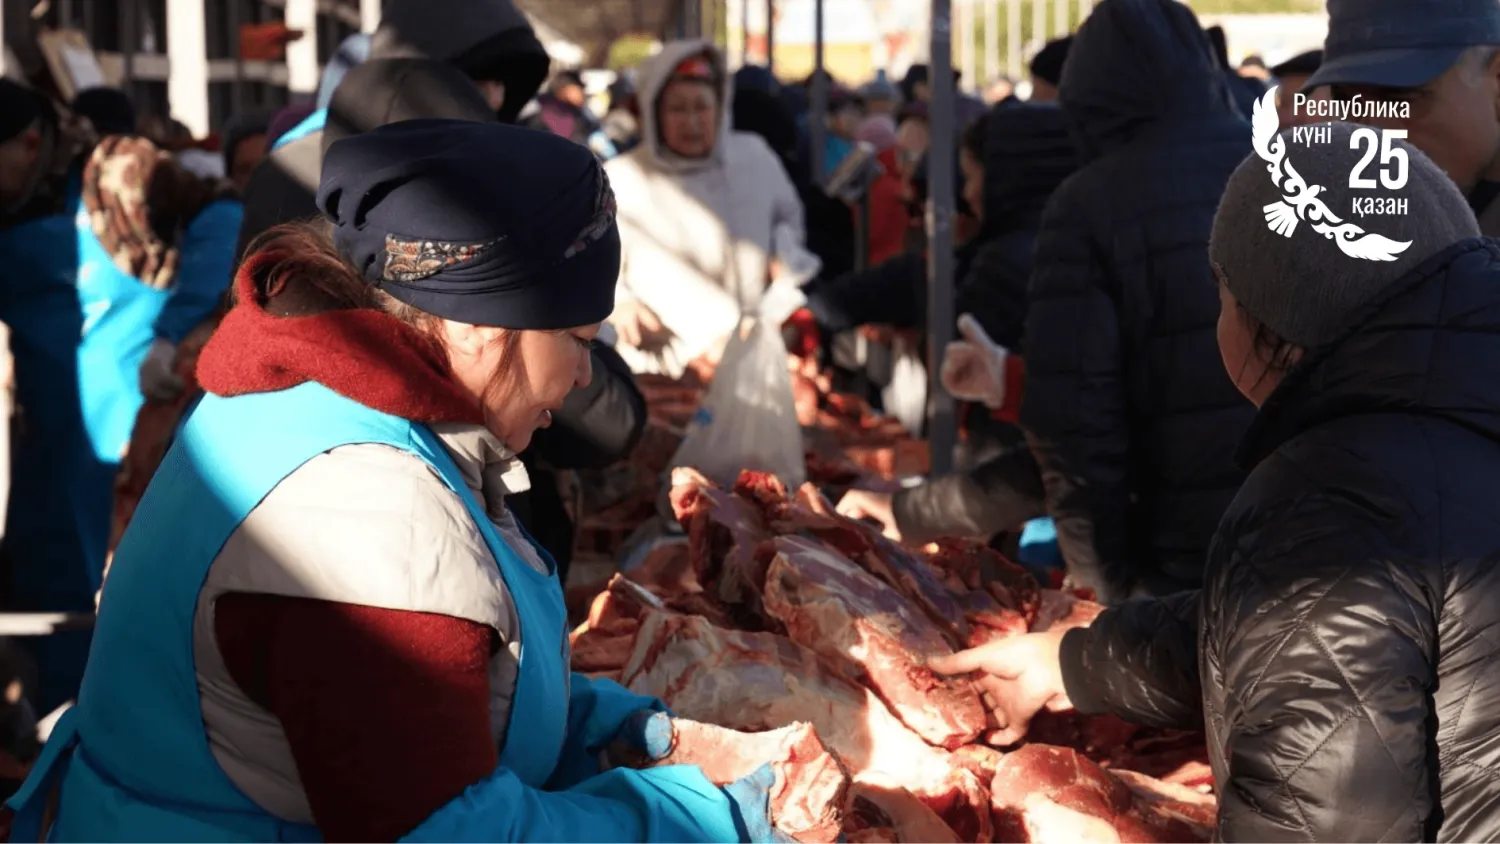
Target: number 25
{"type": "Point", "coordinates": [1388, 154]}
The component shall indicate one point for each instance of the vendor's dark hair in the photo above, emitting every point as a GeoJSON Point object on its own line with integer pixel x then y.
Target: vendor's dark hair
{"type": "Point", "coordinates": [299, 272]}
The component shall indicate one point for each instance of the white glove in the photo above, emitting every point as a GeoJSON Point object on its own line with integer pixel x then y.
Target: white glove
{"type": "Point", "coordinates": [158, 380]}
{"type": "Point", "coordinates": [974, 367]}
{"type": "Point", "coordinates": [779, 302]}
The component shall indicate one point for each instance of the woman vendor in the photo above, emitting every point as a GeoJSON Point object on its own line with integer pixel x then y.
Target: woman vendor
{"type": "Point", "coordinates": [323, 622]}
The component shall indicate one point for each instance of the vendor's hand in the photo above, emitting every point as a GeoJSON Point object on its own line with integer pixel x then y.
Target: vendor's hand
{"type": "Point", "coordinates": [974, 368]}
{"type": "Point", "coordinates": [647, 736]}
{"type": "Point", "coordinates": [159, 381]}
{"type": "Point", "coordinates": [876, 506]}
{"type": "Point", "coordinates": [1019, 677]}
{"type": "Point", "coordinates": [751, 798]}
{"type": "Point", "coordinates": [638, 326]}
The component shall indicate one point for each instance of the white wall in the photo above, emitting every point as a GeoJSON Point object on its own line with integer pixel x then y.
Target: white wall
{"type": "Point", "coordinates": [187, 87]}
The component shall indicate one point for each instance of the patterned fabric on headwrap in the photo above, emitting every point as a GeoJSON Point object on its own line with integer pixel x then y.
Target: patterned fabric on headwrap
{"type": "Point", "coordinates": [139, 201]}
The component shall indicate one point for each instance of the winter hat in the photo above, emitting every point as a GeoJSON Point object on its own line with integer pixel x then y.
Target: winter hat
{"type": "Point", "coordinates": [383, 91]}
{"type": "Point", "coordinates": [20, 106]}
{"type": "Point", "coordinates": [351, 53]}
{"type": "Point", "coordinates": [1304, 286]}
{"type": "Point", "coordinates": [242, 127]}
{"type": "Point", "coordinates": [1047, 64]}
{"type": "Point", "coordinates": [108, 109]}
{"type": "Point", "coordinates": [481, 223]}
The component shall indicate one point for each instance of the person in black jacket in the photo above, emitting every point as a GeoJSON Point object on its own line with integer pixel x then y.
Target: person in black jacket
{"type": "Point", "coordinates": [1339, 654]}
{"type": "Point", "coordinates": [1126, 408]}
{"type": "Point", "coordinates": [1026, 154]}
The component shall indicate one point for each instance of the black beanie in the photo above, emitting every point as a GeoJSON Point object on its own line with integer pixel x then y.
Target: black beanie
{"type": "Point", "coordinates": [382, 91]}
{"type": "Point", "coordinates": [109, 109]}
{"type": "Point", "coordinates": [1047, 64]}
{"type": "Point", "coordinates": [20, 106]}
{"type": "Point", "coordinates": [481, 223]}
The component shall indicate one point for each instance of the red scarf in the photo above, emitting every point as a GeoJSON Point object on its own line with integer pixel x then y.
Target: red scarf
{"type": "Point", "coordinates": [364, 355]}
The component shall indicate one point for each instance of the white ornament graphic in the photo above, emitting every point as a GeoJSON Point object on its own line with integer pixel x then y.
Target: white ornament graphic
{"type": "Point", "coordinates": [1300, 200]}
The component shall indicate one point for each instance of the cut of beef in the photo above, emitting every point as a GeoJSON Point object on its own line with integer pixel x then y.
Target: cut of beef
{"type": "Point", "coordinates": [811, 789]}
{"type": "Point", "coordinates": [1043, 793]}
{"type": "Point", "coordinates": [894, 812]}
{"type": "Point", "coordinates": [978, 759]}
{"type": "Point", "coordinates": [724, 535]}
{"type": "Point", "coordinates": [898, 568]}
{"type": "Point", "coordinates": [759, 681]}
{"type": "Point", "coordinates": [845, 614]}
{"type": "Point", "coordinates": [1060, 610]}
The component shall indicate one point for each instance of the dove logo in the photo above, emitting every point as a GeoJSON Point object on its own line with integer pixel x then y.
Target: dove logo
{"type": "Point", "coordinates": [1301, 203]}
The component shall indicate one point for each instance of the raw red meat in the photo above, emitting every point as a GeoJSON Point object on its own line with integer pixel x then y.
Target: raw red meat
{"type": "Point", "coordinates": [724, 532]}
{"type": "Point", "coordinates": [1064, 611]}
{"type": "Point", "coordinates": [978, 759]}
{"type": "Point", "coordinates": [893, 814]}
{"type": "Point", "coordinates": [898, 568]}
{"type": "Point", "coordinates": [811, 790]}
{"type": "Point", "coordinates": [1043, 793]}
{"type": "Point", "coordinates": [845, 614]}
{"type": "Point", "coordinates": [760, 681]}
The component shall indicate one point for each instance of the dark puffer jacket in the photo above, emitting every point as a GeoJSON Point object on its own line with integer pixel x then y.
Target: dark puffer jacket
{"type": "Point", "coordinates": [1347, 647]}
{"type": "Point", "coordinates": [1128, 409]}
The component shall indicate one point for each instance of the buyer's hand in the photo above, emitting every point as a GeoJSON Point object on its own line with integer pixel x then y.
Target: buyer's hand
{"type": "Point", "coordinates": [638, 326]}
{"type": "Point", "coordinates": [876, 506]}
{"type": "Point", "coordinates": [974, 367]}
{"type": "Point", "coordinates": [1019, 677]}
{"type": "Point", "coordinates": [159, 381]}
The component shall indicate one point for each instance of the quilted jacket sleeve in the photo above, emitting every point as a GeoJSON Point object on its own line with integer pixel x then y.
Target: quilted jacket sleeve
{"type": "Point", "coordinates": [1139, 661]}
{"type": "Point", "coordinates": [1326, 648]}
{"type": "Point", "coordinates": [1074, 407]}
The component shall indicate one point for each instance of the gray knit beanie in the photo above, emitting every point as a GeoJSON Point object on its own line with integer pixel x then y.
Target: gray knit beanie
{"type": "Point", "coordinates": [1304, 287]}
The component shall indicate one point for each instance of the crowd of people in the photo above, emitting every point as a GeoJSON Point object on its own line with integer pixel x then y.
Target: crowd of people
{"type": "Point", "coordinates": [316, 401]}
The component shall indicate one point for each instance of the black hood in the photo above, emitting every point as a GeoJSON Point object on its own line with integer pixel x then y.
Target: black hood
{"type": "Point", "coordinates": [1430, 346]}
{"type": "Point", "coordinates": [486, 39]}
{"type": "Point", "coordinates": [1028, 152]}
{"type": "Point", "coordinates": [1135, 63]}
{"type": "Point", "coordinates": [383, 91]}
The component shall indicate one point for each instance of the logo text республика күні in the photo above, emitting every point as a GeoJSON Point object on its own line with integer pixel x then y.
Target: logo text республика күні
{"type": "Point", "coordinates": [1300, 202]}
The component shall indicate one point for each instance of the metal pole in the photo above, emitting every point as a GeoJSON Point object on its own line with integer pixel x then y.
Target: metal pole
{"type": "Point", "coordinates": [817, 114]}
{"type": "Point", "coordinates": [1013, 39]}
{"type": "Point", "coordinates": [992, 39]}
{"type": "Point", "coordinates": [1060, 19]}
{"type": "Point", "coordinates": [1084, 7]}
{"type": "Point", "coordinates": [771, 36]}
{"type": "Point", "coordinates": [942, 424]}
{"type": "Point", "coordinates": [682, 22]}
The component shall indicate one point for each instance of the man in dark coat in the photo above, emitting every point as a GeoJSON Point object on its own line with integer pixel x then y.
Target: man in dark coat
{"type": "Point", "coordinates": [490, 41]}
{"type": "Point", "coordinates": [1127, 409]}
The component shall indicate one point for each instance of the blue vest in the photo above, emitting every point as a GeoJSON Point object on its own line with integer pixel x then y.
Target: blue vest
{"type": "Point", "coordinates": [132, 758]}
{"type": "Point", "coordinates": [81, 327]}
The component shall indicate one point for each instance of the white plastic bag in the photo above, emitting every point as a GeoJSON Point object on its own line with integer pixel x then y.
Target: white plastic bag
{"type": "Point", "coordinates": [748, 419]}
{"type": "Point", "coordinates": [906, 396]}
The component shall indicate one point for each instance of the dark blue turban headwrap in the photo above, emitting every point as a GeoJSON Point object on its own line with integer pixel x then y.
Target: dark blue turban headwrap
{"type": "Point", "coordinates": [476, 222]}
